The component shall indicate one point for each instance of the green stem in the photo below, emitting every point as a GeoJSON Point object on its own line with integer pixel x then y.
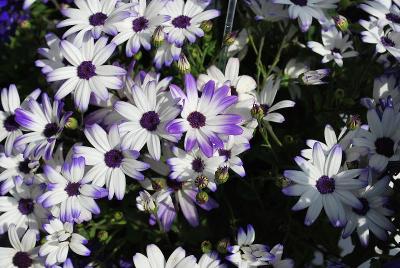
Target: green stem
{"type": "Point", "coordinates": [272, 133]}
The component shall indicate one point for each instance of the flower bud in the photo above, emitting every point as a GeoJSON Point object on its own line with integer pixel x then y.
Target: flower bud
{"type": "Point", "coordinates": [25, 24]}
{"type": "Point", "coordinates": [118, 215]}
{"type": "Point", "coordinates": [72, 123]}
{"type": "Point", "coordinates": [183, 64]}
{"type": "Point", "coordinates": [102, 235]}
{"type": "Point", "coordinates": [230, 38]}
{"type": "Point", "coordinates": [158, 184]}
{"type": "Point", "coordinates": [222, 245]}
{"type": "Point", "coordinates": [206, 246]}
{"type": "Point", "coordinates": [202, 197]}
{"type": "Point", "coordinates": [341, 23]}
{"type": "Point", "coordinates": [158, 36]}
{"type": "Point", "coordinates": [201, 182]}
{"type": "Point", "coordinates": [206, 26]}
{"type": "Point", "coordinates": [221, 175]}
{"type": "Point", "coordinates": [257, 112]}
{"type": "Point", "coordinates": [353, 122]}
{"type": "Point", "coordinates": [314, 77]}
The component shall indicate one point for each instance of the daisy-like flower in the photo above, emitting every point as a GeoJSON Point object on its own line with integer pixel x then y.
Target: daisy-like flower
{"type": "Point", "coordinates": [384, 40]}
{"type": "Point", "coordinates": [53, 56]}
{"type": "Point", "coordinates": [147, 118]}
{"type": "Point", "coordinates": [334, 46]}
{"type": "Point", "coordinates": [267, 10]}
{"type": "Point", "coordinates": [242, 86]}
{"type": "Point", "coordinates": [9, 128]}
{"type": "Point", "coordinates": [87, 72]}
{"type": "Point", "coordinates": [139, 27]}
{"type": "Point", "coordinates": [18, 169]}
{"type": "Point", "coordinates": [194, 166]}
{"type": "Point", "coordinates": [23, 253]}
{"type": "Point", "coordinates": [92, 18]}
{"type": "Point", "coordinates": [372, 217]}
{"type": "Point", "coordinates": [306, 10]}
{"type": "Point", "coordinates": [22, 209]}
{"type": "Point", "coordinates": [265, 102]}
{"type": "Point", "coordinates": [239, 47]}
{"type": "Point", "coordinates": [386, 13]}
{"type": "Point", "coordinates": [110, 159]}
{"type": "Point", "coordinates": [277, 262]}
{"type": "Point", "coordinates": [382, 139]}
{"type": "Point", "coordinates": [74, 195]}
{"type": "Point", "coordinates": [45, 123]}
{"type": "Point", "coordinates": [186, 19]}
{"type": "Point", "coordinates": [232, 148]}
{"type": "Point", "coordinates": [204, 119]}
{"type": "Point", "coordinates": [321, 185]}
{"type": "Point", "coordinates": [247, 254]}
{"type": "Point", "coordinates": [155, 259]}
{"type": "Point", "coordinates": [293, 70]}
{"type": "Point", "coordinates": [210, 260]}
{"type": "Point", "coordinates": [60, 239]}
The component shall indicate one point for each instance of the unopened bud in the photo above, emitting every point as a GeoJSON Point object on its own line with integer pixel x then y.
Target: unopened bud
{"type": "Point", "coordinates": [118, 215]}
{"type": "Point", "coordinates": [201, 182]}
{"type": "Point", "coordinates": [314, 77]}
{"type": "Point", "coordinates": [202, 197]}
{"type": "Point", "coordinates": [257, 112]}
{"type": "Point", "coordinates": [102, 235]}
{"type": "Point", "coordinates": [230, 38]}
{"type": "Point", "coordinates": [158, 184]}
{"type": "Point", "coordinates": [183, 64]}
{"type": "Point", "coordinates": [222, 246]}
{"type": "Point", "coordinates": [353, 122]}
{"type": "Point", "coordinates": [72, 123]}
{"type": "Point", "coordinates": [158, 36]}
{"type": "Point", "coordinates": [206, 246]}
{"type": "Point", "coordinates": [341, 23]}
{"type": "Point", "coordinates": [206, 26]}
{"type": "Point", "coordinates": [25, 24]}
{"type": "Point", "coordinates": [221, 175]}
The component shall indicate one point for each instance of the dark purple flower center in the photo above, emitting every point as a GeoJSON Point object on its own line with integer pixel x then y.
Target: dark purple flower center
{"type": "Point", "coordinates": [198, 165]}
{"type": "Point", "coordinates": [299, 2]}
{"type": "Point", "coordinates": [196, 120]}
{"type": "Point", "coordinates": [174, 184]}
{"type": "Point", "coordinates": [265, 108]}
{"type": "Point", "coordinates": [325, 185]}
{"type": "Point", "coordinates": [384, 146]}
{"type": "Point", "coordinates": [26, 206]}
{"type": "Point", "coordinates": [150, 121]}
{"type": "Point", "coordinates": [336, 50]}
{"type": "Point", "coordinates": [387, 42]}
{"type": "Point", "coordinates": [22, 260]}
{"type": "Point", "coordinates": [86, 70]}
{"type": "Point", "coordinates": [113, 158]}
{"type": "Point", "coordinates": [226, 153]}
{"type": "Point", "coordinates": [10, 124]}
{"type": "Point", "coordinates": [23, 166]}
{"type": "Point", "coordinates": [50, 130]}
{"type": "Point", "coordinates": [97, 19]}
{"type": "Point", "coordinates": [393, 17]}
{"type": "Point", "coordinates": [181, 21]}
{"type": "Point", "coordinates": [140, 24]}
{"type": "Point", "coordinates": [234, 91]}
{"type": "Point", "coordinates": [365, 208]}
{"type": "Point", "coordinates": [72, 188]}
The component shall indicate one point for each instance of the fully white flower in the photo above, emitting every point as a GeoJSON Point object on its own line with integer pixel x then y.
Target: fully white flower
{"type": "Point", "coordinates": [210, 260]}
{"type": "Point", "coordinates": [60, 239]}
{"type": "Point", "coordinates": [277, 262]}
{"type": "Point", "coordinates": [320, 184]}
{"type": "Point", "coordinates": [92, 18]}
{"type": "Point", "coordinates": [156, 259]}
{"type": "Point", "coordinates": [334, 46]}
{"type": "Point", "coordinates": [146, 118]}
{"type": "Point", "coordinates": [382, 139]}
{"type": "Point", "coordinates": [267, 10]}
{"type": "Point", "coordinates": [306, 10]}
{"type": "Point", "coordinates": [139, 27]}
{"type": "Point", "coordinates": [86, 72]}
{"type": "Point", "coordinates": [186, 18]}
{"type": "Point", "coordinates": [386, 13]}
{"type": "Point", "coordinates": [73, 194]}
{"type": "Point", "coordinates": [246, 254]}
{"type": "Point", "coordinates": [372, 217]}
{"type": "Point", "coordinates": [22, 209]}
{"type": "Point", "coordinates": [110, 159]}
{"type": "Point", "coordinates": [23, 253]}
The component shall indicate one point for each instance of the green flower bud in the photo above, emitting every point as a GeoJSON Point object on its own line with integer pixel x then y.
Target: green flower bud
{"type": "Point", "coordinates": [353, 122]}
{"type": "Point", "coordinates": [341, 23]}
{"type": "Point", "coordinates": [158, 184]}
{"type": "Point", "coordinates": [202, 197]}
{"type": "Point", "coordinates": [257, 112]}
{"type": "Point", "coordinates": [206, 26]}
{"type": "Point", "coordinates": [221, 175]}
{"type": "Point", "coordinates": [206, 246]}
{"type": "Point", "coordinates": [201, 182]}
{"type": "Point", "coordinates": [118, 215]}
{"type": "Point", "coordinates": [158, 36]}
{"type": "Point", "coordinates": [230, 38]}
{"type": "Point", "coordinates": [102, 235]}
{"type": "Point", "coordinates": [222, 245]}
{"type": "Point", "coordinates": [72, 123]}
{"type": "Point", "coordinates": [183, 64]}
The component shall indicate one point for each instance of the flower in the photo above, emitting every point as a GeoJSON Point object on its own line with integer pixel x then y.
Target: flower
{"type": "Point", "coordinates": [382, 139]}
{"type": "Point", "coordinates": [306, 10]}
{"type": "Point", "coordinates": [386, 13]}
{"type": "Point", "coordinates": [334, 46]}
{"type": "Point", "coordinates": [232, 148]}
{"type": "Point", "coordinates": [23, 253]}
{"type": "Point", "coordinates": [22, 209]}
{"type": "Point", "coordinates": [156, 259]}
{"type": "Point", "coordinates": [247, 254]}
{"type": "Point", "coordinates": [194, 165]}
{"type": "Point", "coordinates": [266, 99]}
{"type": "Point", "coordinates": [54, 57]}
{"type": "Point", "coordinates": [110, 159]}
{"type": "Point", "coordinates": [315, 77]}
{"type": "Point", "coordinates": [9, 128]}
{"type": "Point", "coordinates": [277, 262]}
{"type": "Point", "coordinates": [45, 123]}
{"type": "Point", "coordinates": [61, 238]}
{"type": "Point", "coordinates": [373, 214]}
{"type": "Point", "coordinates": [321, 184]}
{"type": "Point", "coordinates": [73, 194]}
{"type": "Point", "coordinates": [186, 19]}
{"type": "Point", "coordinates": [87, 72]}
{"type": "Point", "coordinates": [267, 10]}
{"type": "Point", "coordinates": [140, 26]}
{"type": "Point", "coordinates": [203, 119]}
{"type": "Point", "coordinates": [210, 260]}
{"type": "Point", "coordinates": [146, 118]}
{"type": "Point", "coordinates": [239, 46]}
{"type": "Point", "coordinates": [146, 202]}
{"type": "Point", "coordinates": [91, 19]}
